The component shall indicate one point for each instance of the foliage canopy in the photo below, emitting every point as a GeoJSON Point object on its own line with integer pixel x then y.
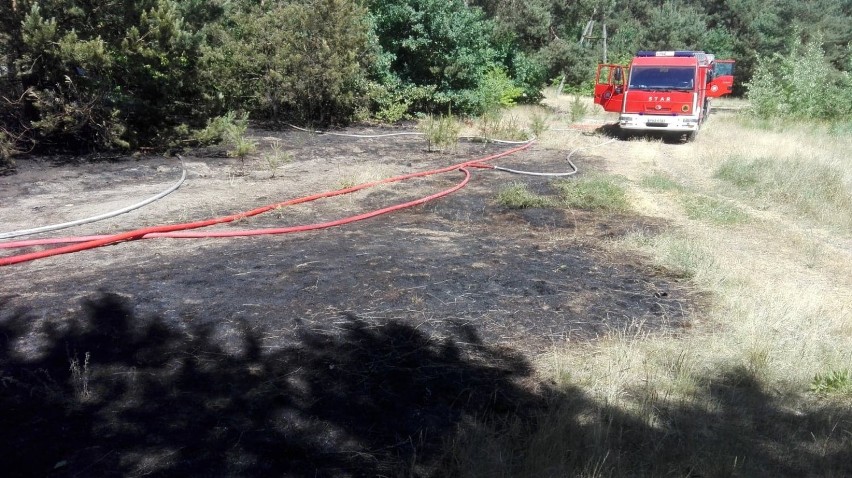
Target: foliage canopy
{"type": "Point", "coordinates": [84, 75]}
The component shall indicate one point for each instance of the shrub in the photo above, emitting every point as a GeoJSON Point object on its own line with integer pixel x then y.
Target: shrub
{"type": "Point", "coordinates": [497, 91]}
{"type": "Point", "coordinates": [104, 75]}
{"type": "Point", "coordinates": [578, 109]}
{"type": "Point", "coordinates": [538, 125]}
{"type": "Point", "coordinates": [801, 84]}
{"type": "Point", "coordinates": [230, 130]}
{"type": "Point", "coordinates": [302, 60]}
{"type": "Point", "coordinates": [395, 102]}
{"type": "Point", "coordinates": [443, 45]}
{"type": "Point", "coordinates": [495, 125]}
{"type": "Point", "coordinates": [7, 149]}
{"type": "Point", "coordinates": [441, 133]}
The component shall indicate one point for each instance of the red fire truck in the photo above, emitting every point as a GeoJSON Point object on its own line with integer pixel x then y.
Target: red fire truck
{"type": "Point", "coordinates": [666, 92]}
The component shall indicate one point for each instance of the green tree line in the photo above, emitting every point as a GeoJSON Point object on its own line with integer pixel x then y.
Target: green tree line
{"type": "Point", "coordinates": [85, 75]}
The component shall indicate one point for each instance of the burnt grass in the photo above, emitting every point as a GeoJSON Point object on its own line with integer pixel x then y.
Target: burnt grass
{"type": "Point", "coordinates": [361, 350]}
{"type": "Point", "coordinates": [355, 351]}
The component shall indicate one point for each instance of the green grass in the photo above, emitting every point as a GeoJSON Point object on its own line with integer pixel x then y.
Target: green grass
{"type": "Point", "coordinates": [594, 193]}
{"type": "Point", "coordinates": [599, 193]}
{"type": "Point", "coordinates": [743, 173]}
{"type": "Point", "coordinates": [716, 211]}
{"type": "Point", "coordinates": [518, 196]}
{"type": "Point", "coordinates": [835, 382]}
{"type": "Point", "coordinates": [661, 182]}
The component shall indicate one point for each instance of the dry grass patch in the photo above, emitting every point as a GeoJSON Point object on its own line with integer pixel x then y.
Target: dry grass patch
{"type": "Point", "coordinates": [565, 103]}
{"type": "Point", "coordinates": [760, 385]}
{"type": "Point", "coordinates": [819, 190]}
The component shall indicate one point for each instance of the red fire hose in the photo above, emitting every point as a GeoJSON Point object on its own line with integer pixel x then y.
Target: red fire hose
{"type": "Point", "coordinates": [174, 230]}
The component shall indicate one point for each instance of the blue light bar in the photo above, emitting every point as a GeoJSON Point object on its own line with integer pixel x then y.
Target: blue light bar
{"type": "Point", "coordinates": [678, 53]}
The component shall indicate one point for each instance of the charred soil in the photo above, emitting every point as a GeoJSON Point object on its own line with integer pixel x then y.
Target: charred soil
{"type": "Point", "coordinates": [352, 351]}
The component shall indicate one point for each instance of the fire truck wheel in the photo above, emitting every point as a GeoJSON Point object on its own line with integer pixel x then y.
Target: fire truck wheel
{"type": "Point", "coordinates": [690, 137]}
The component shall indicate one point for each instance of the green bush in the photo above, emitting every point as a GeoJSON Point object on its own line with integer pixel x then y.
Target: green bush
{"type": "Point", "coordinates": [442, 45]}
{"type": "Point", "coordinates": [441, 133]}
{"type": "Point", "coordinates": [98, 74]}
{"type": "Point", "coordinates": [223, 128]}
{"type": "Point", "coordinates": [394, 102]}
{"type": "Point", "coordinates": [301, 60]}
{"type": "Point", "coordinates": [229, 129]}
{"type": "Point", "coordinates": [498, 91]}
{"type": "Point", "coordinates": [800, 84]}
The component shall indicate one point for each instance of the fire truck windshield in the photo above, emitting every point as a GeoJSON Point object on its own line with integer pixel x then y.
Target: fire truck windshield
{"type": "Point", "coordinates": [661, 78]}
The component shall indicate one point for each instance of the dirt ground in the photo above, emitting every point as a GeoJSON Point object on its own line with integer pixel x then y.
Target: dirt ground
{"type": "Point", "coordinates": [353, 351]}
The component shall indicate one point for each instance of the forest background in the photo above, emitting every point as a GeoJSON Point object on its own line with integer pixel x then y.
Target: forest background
{"type": "Point", "coordinates": [93, 75]}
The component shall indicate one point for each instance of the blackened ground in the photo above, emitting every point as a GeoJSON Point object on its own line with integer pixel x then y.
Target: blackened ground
{"type": "Point", "coordinates": [355, 351]}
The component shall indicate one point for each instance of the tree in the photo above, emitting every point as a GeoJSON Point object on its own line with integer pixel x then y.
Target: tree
{"type": "Point", "coordinates": [674, 26]}
{"type": "Point", "coordinates": [98, 73]}
{"type": "Point", "coordinates": [305, 60]}
{"type": "Point", "coordinates": [442, 45]}
{"type": "Point", "coordinates": [802, 83]}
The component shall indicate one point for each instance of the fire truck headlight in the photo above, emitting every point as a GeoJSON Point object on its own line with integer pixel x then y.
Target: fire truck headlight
{"type": "Point", "coordinates": [685, 108]}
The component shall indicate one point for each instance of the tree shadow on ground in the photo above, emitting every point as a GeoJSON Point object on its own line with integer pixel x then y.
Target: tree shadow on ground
{"type": "Point", "coordinates": [733, 426]}
{"type": "Point", "coordinates": [612, 130]}
{"type": "Point", "coordinates": [110, 394]}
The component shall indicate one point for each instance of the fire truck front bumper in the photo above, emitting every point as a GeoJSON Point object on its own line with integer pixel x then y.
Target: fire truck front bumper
{"type": "Point", "coordinates": [673, 124]}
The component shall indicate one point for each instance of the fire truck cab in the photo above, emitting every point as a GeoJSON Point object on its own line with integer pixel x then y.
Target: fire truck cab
{"type": "Point", "coordinates": [663, 91]}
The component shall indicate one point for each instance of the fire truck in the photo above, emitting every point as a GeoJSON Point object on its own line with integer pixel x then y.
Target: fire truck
{"type": "Point", "coordinates": [664, 92]}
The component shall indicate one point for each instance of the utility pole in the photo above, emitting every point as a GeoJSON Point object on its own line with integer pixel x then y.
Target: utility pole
{"type": "Point", "coordinates": [589, 29]}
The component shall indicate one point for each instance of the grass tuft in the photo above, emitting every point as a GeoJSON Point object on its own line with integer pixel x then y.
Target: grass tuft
{"type": "Point", "coordinates": [441, 133]}
{"type": "Point", "coordinates": [497, 125]}
{"type": "Point", "coordinates": [716, 211]}
{"type": "Point", "coordinates": [601, 193]}
{"type": "Point", "coordinates": [518, 196]}
{"type": "Point", "coordinates": [661, 182]}
{"type": "Point", "coordinates": [834, 382]}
